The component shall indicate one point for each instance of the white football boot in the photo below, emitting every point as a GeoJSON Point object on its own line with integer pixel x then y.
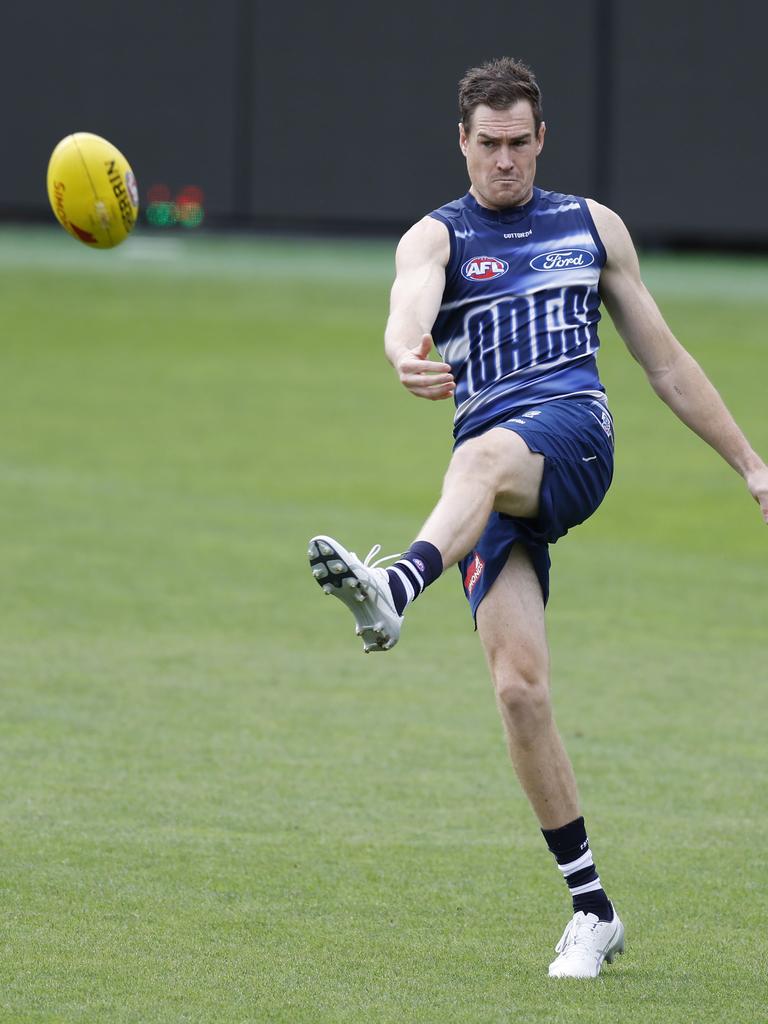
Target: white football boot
{"type": "Point", "coordinates": [586, 943]}
{"type": "Point", "coordinates": [362, 586]}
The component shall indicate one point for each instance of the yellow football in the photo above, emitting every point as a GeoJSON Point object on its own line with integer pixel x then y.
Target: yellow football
{"type": "Point", "coordinates": [92, 190]}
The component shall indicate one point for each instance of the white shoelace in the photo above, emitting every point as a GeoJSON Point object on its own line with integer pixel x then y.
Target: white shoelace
{"type": "Point", "coordinates": [372, 554]}
{"type": "Point", "coordinates": [564, 937]}
{"type": "Point", "coordinates": [573, 932]}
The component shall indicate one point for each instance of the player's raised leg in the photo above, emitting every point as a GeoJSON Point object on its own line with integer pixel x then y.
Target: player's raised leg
{"type": "Point", "coordinates": [510, 621]}
{"type": "Point", "coordinates": [494, 471]}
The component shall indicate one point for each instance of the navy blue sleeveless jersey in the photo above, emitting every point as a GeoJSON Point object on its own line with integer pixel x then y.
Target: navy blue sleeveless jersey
{"type": "Point", "coordinates": [518, 319]}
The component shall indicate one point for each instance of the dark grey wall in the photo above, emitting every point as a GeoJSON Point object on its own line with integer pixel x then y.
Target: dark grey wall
{"type": "Point", "coordinates": [690, 112]}
{"type": "Point", "coordinates": [305, 113]}
{"type": "Point", "coordinates": [357, 114]}
{"type": "Point", "coordinates": [153, 78]}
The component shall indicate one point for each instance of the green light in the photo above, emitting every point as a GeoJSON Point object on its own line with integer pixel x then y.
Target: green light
{"type": "Point", "coordinates": [162, 215]}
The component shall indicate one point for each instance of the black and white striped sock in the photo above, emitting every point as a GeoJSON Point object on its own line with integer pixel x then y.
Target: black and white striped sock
{"type": "Point", "coordinates": [570, 846]}
{"type": "Point", "coordinates": [421, 564]}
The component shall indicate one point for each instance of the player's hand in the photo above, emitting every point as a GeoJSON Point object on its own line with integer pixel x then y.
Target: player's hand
{"type": "Point", "coordinates": [757, 482]}
{"type": "Point", "coordinates": [422, 376]}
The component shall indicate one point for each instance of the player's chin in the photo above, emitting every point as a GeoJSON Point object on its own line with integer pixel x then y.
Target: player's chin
{"type": "Point", "coordinates": [508, 192]}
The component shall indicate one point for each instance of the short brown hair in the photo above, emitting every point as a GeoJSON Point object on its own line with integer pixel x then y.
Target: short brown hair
{"type": "Point", "coordinates": [499, 84]}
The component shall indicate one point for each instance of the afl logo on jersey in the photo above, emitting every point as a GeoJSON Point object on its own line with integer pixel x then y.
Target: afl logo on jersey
{"type": "Point", "coordinates": [484, 268]}
{"type": "Point", "coordinates": [563, 259]}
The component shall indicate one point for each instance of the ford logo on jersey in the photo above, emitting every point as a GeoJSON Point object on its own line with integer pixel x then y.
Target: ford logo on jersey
{"type": "Point", "coordinates": [484, 268]}
{"type": "Point", "coordinates": [563, 259]}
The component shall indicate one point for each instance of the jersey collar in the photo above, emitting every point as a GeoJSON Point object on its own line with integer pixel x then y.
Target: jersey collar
{"type": "Point", "coordinates": [509, 215]}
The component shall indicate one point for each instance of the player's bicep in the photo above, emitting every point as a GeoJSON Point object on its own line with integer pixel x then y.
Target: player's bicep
{"type": "Point", "coordinates": [420, 261]}
{"type": "Point", "coordinates": [634, 313]}
{"type": "Point", "coordinates": [630, 305]}
{"type": "Point", "coordinates": [418, 290]}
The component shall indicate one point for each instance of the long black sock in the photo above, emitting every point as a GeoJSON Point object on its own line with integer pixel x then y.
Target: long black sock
{"type": "Point", "coordinates": [421, 564]}
{"type": "Point", "coordinates": [570, 846]}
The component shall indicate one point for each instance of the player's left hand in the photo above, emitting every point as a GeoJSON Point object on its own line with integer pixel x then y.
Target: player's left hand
{"type": "Point", "coordinates": [757, 482]}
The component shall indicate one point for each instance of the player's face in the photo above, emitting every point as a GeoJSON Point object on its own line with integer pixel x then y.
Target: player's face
{"type": "Point", "coordinates": [501, 147]}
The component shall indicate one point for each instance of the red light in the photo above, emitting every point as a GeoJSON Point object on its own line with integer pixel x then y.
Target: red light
{"type": "Point", "coordinates": [191, 194]}
{"type": "Point", "coordinates": [158, 194]}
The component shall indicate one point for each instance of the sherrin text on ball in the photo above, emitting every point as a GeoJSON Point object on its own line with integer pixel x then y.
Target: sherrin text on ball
{"type": "Point", "coordinates": [92, 190]}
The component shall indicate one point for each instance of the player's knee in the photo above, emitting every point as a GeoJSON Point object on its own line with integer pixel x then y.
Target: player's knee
{"type": "Point", "coordinates": [523, 692]}
{"type": "Point", "coordinates": [475, 460]}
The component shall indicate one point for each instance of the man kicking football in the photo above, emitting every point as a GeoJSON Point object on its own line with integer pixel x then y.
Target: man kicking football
{"type": "Point", "coordinates": [507, 283]}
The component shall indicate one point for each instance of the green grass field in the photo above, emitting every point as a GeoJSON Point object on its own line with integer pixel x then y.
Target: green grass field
{"type": "Point", "coordinates": [214, 808]}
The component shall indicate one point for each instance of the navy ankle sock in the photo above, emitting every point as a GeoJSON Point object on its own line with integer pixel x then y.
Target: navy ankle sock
{"type": "Point", "coordinates": [570, 846]}
{"type": "Point", "coordinates": [421, 564]}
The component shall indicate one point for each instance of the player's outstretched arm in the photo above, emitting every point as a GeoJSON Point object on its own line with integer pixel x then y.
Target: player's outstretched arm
{"type": "Point", "coordinates": [673, 373]}
{"type": "Point", "coordinates": [421, 259]}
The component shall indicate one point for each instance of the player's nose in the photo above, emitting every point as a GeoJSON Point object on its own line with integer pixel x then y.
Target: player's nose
{"type": "Point", "coordinates": [504, 158]}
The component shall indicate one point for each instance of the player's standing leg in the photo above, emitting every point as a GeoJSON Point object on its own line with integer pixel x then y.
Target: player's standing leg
{"type": "Point", "coordinates": [510, 624]}
{"type": "Point", "coordinates": [510, 621]}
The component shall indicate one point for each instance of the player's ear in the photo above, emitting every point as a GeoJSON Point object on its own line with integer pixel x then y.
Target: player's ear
{"type": "Point", "coordinates": [462, 138]}
{"type": "Point", "coordinates": [540, 137]}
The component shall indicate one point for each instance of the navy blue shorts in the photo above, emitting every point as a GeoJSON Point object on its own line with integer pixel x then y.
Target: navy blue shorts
{"type": "Point", "coordinates": [575, 436]}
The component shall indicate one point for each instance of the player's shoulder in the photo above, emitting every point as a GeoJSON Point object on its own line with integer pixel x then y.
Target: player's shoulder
{"type": "Point", "coordinates": [450, 212]}
{"type": "Point", "coordinates": [554, 202]}
{"type": "Point", "coordinates": [557, 201]}
{"type": "Point", "coordinates": [425, 241]}
{"type": "Point", "coordinates": [611, 228]}
{"type": "Point", "coordinates": [606, 220]}
{"type": "Point", "coordinates": [569, 207]}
